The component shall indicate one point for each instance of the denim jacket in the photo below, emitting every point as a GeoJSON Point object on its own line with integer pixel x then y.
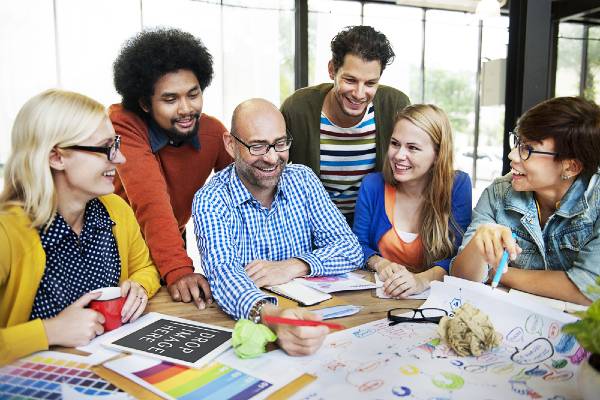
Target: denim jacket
{"type": "Point", "coordinates": [570, 240]}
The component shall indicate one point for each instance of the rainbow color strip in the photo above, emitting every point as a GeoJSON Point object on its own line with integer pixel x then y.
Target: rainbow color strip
{"type": "Point", "coordinates": [213, 382]}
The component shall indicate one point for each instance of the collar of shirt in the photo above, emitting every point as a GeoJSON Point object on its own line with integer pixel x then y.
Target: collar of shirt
{"type": "Point", "coordinates": [95, 218]}
{"type": "Point", "coordinates": [240, 194]}
{"type": "Point", "coordinates": [159, 138]}
{"type": "Point", "coordinates": [573, 202]}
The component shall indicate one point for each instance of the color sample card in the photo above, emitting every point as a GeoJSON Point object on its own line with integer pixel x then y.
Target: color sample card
{"type": "Point", "coordinates": [215, 381]}
{"type": "Point", "coordinates": [41, 376]}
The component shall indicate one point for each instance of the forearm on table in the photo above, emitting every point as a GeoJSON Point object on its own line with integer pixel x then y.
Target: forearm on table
{"type": "Point", "coordinates": [435, 273]}
{"type": "Point", "coordinates": [469, 264]}
{"type": "Point", "coordinates": [553, 284]}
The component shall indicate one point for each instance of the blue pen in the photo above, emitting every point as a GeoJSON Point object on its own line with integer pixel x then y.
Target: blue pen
{"type": "Point", "coordinates": [501, 266]}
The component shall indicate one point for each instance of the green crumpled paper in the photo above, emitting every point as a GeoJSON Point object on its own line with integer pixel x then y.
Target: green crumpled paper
{"type": "Point", "coordinates": [249, 339]}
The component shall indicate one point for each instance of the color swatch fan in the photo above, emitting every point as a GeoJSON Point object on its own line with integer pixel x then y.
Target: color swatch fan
{"type": "Point", "coordinates": [47, 375]}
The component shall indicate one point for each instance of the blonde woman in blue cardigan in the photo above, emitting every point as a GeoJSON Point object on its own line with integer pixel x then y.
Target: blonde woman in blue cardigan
{"type": "Point", "coordinates": [62, 233]}
{"type": "Point", "coordinates": [410, 217]}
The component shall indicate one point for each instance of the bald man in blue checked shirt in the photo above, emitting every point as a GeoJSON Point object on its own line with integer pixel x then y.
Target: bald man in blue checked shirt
{"type": "Point", "coordinates": [261, 222]}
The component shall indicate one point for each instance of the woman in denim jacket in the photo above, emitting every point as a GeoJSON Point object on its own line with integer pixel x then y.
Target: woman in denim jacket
{"type": "Point", "coordinates": [550, 201]}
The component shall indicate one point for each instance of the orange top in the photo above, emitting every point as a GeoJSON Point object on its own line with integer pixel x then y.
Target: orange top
{"type": "Point", "coordinates": [160, 187]}
{"type": "Point", "coordinates": [392, 247]}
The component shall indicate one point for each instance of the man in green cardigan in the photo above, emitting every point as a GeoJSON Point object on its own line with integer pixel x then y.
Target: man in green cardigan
{"type": "Point", "coordinates": [342, 129]}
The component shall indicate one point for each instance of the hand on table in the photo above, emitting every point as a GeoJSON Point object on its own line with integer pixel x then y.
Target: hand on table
{"type": "Point", "coordinates": [269, 273]}
{"type": "Point", "coordinates": [75, 325]}
{"type": "Point", "coordinates": [137, 300]}
{"type": "Point", "coordinates": [191, 287]}
{"type": "Point", "coordinates": [403, 283]}
{"type": "Point", "coordinates": [297, 340]}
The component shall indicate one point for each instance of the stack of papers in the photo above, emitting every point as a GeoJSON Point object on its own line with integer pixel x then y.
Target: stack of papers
{"type": "Point", "coordinates": [314, 290]}
{"type": "Point", "coordinates": [339, 283]}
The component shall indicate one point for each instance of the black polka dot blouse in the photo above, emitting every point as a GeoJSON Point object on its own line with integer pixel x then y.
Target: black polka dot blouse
{"type": "Point", "coordinates": [75, 264]}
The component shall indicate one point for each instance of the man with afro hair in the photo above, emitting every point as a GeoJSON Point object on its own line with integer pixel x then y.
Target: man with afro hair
{"type": "Point", "coordinates": [171, 147]}
{"type": "Point", "coordinates": [341, 130]}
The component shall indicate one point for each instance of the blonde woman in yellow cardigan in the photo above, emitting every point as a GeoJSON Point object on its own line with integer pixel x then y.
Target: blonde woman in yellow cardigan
{"type": "Point", "coordinates": [62, 233]}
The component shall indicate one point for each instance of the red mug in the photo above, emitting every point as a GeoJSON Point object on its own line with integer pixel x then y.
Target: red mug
{"type": "Point", "coordinates": [110, 304]}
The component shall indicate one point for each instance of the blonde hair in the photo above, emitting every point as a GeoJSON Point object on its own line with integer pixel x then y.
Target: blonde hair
{"type": "Point", "coordinates": [53, 118]}
{"type": "Point", "coordinates": [436, 215]}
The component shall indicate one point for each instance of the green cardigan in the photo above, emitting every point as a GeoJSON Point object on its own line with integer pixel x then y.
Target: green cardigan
{"type": "Point", "coordinates": [302, 113]}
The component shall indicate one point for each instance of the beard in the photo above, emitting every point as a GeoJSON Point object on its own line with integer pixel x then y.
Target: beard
{"type": "Point", "coordinates": [248, 173]}
{"type": "Point", "coordinates": [180, 136]}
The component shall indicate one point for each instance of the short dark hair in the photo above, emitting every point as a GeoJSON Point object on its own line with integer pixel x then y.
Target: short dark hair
{"type": "Point", "coordinates": [364, 42]}
{"type": "Point", "coordinates": [573, 123]}
{"type": "Point", "coordinates": [151, 54]}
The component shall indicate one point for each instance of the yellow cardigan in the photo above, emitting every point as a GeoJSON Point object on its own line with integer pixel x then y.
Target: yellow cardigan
{"type": "Point", "coordinates": [22, 264]}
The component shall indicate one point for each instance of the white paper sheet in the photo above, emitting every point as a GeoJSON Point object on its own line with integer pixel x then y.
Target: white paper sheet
{"type": "Point", "coordinates": [339, 283]}
{"type": "Point", "coordinates": [378, 361]}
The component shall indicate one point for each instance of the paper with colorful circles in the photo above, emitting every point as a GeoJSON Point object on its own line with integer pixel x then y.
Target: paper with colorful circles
{"type": "Point", "coordinates": [409, 360]}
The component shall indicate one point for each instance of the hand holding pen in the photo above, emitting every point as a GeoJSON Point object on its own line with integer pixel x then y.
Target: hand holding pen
{"type": "Point", "coordinates": [502, 266]}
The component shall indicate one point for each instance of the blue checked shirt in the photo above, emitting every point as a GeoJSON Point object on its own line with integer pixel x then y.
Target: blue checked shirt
{"type": "Point", "coordinates": [233, 229]}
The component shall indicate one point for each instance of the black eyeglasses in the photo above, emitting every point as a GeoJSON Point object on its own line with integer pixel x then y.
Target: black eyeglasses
{"type": "Point", "coordinates": [432, 315]}
{"type": "Point", "coordinates": [262, 149]}
{"type": "Point", "coordinates": [525, 150]}
{"type": "Point", "coordinates": [110, 151]}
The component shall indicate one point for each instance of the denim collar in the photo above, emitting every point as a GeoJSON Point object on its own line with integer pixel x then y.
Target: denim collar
{"type": "Point", "coordinates": [159, 138]}
{"type": "Point", "coordinates": [573, 202]}
{"type": "Point", "coordinates": [241, 194]}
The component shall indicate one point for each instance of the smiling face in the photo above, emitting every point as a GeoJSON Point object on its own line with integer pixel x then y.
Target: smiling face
{"type": "Point", "coordinates": [85, 175]}
{"type": "Point", "coordinates": [354, 86]}
{"type": "Point", "coordinates": [540, 171]}
{"type": "Point", "coordinates": [258, 122]}
{"type": "Point", "coordinates": [411, 153]}
{"type": "Point", "coordinates": [176, 103]}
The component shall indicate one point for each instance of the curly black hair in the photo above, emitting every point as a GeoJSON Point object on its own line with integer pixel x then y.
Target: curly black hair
{"type": "Point", "coordinates": [363, 41]}
{"type": "Point", "coordinates": [149, 55]}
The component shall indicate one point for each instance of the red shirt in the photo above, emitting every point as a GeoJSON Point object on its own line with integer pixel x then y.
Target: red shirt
{"type": "Point", "coordinates": [160, 186]}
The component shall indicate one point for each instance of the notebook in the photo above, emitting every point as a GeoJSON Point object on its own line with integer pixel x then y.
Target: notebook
{"type": "Point", "coordinates": [304, 295]}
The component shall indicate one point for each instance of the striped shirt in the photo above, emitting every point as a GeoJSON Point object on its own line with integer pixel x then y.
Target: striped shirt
{"type": "Point", "coordinates": [233, 229]}
{"type": "Point", "coordinates": [347, 155]}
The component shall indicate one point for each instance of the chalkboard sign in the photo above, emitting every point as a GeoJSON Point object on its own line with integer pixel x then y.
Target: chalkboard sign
{"type": "Point", "coordinates": [176, 340]}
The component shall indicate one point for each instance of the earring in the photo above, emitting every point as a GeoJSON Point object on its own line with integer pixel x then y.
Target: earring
{"type": "Point", "coordinates": [565, 177]}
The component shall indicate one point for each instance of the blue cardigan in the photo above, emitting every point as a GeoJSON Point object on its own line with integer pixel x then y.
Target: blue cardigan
{"type": "Point", "coordinates": [371, 221]}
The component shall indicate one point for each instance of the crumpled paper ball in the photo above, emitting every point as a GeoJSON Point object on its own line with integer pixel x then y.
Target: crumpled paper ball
{"type": "Point", "coordinates": [469, 332]}
{"type": "Point", "coordinates": [249, 340]}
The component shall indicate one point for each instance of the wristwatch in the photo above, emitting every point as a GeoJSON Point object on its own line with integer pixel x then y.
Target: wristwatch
{"type": "Point", "coordinates": [254, 314]}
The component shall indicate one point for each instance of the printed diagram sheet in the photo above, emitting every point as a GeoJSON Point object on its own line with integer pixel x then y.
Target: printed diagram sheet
{"type": "Point", "coordinates": [408, 360]}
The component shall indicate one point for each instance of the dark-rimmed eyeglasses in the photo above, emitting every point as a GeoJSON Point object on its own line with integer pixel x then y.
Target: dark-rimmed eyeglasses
{"type": "Point", "coordinates": [525, 150]}
{"type": "Point", "coordinates": [263, 148]}
{"type": "Point", "coordinates": [110, 151]}
{"type": "Point", "coordinates": [432, 315]}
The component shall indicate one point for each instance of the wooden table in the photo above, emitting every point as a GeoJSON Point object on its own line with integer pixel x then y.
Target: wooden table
{"type": "Point", "coordinates": [373, 309]}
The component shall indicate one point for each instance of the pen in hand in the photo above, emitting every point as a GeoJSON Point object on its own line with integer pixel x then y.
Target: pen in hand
{"type": "Point", "coordinates": [501, 266]}
{"type": "Point", "coordinates": [300, 322]}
